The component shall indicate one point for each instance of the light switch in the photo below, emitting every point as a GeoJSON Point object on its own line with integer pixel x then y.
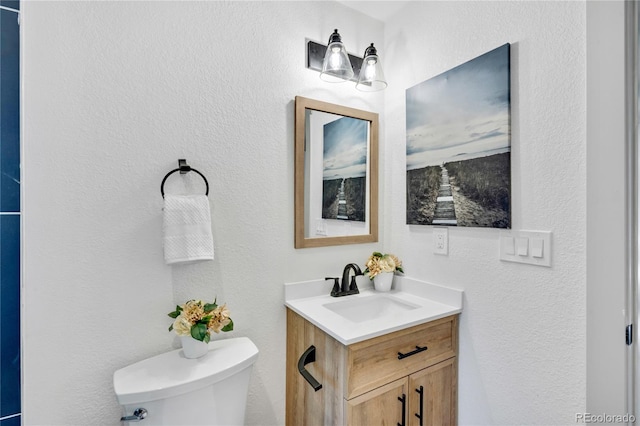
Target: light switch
{"type": "Point", "coordinates": [531, 247]}
{"type": "Point", "coordinates": [537, 247]}
{"type": "Point", "coordinates": [508, 246]}
{"type": "Point", "coordinates": [523, 246]}
{"type": "Point", "coordinates": [321, 227]}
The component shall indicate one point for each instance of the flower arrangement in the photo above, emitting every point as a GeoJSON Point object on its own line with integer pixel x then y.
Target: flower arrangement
{"type": "Point", "coordinates": [379, 262]}
{"type": "Point", "coordinates": [199, 319]}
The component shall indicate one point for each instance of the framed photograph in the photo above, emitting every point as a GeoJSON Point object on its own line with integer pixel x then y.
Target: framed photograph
{"type": "Point", "coordinates": [344, 180]}
{"type": "Point", "coordinates": [336, 174]}
{"type": "Point", "coordinates": [459, 145]}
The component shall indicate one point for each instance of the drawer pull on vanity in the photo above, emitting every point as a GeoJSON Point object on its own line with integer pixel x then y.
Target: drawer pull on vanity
{"type": "Point", "coordinates": [416, 351]}
{"type": "Point", "coordinates": [420, 391]}
{"type": "Point", "coordinates": [403, 400]}
{"type": "Point", "coordinates": [307, 357]}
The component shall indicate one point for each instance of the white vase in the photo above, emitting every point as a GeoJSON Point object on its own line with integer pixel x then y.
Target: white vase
{"type": "Point", "coordinates": [383, 281]}
{"type": "Point", "coordinates": [193, 348]}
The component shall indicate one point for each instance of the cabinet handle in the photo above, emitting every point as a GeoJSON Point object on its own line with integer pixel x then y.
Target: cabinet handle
{"type": "Point", "coordinates": [420, 391]}
{"type": "Point", "coordinates": [417, 350]}
{"type": "Point", "coordinates": [307, 357]}
{"type": "Point", "coordinates": [404, 408]}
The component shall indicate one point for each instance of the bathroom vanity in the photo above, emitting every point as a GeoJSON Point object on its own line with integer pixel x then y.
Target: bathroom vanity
{"type": "Point", "coordinates": [398, 366]}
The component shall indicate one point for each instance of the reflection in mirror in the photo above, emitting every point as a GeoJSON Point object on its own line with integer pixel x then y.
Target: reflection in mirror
{"type": "Point", "coordinates": [336, 174]}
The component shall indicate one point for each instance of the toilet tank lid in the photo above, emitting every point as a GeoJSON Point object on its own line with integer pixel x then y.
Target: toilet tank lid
{"type": "Point", "coordinates": [171, 374]}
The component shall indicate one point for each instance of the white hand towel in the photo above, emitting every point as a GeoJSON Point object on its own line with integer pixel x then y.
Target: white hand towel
{"type": "Point", "coordinates": [187, 229]}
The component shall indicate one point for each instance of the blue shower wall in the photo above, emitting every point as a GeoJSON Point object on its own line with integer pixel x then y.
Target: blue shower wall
{"type": "Point", "coordinates": [9, 112]}
{"type": "Point", "coordinates": [10, 315]}
{"type": "Point", "coordinates": [9, 216]}
{"type": "Point", "coordinates": [11, 421]}
{"type": "Point", "coordinates": [13, 4]}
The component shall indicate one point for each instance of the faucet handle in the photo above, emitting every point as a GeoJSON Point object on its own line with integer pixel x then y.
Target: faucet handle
{"type": "Point", "coordinates": [353, 287]}
{"type": "Point", "coordinates": [335, 291]}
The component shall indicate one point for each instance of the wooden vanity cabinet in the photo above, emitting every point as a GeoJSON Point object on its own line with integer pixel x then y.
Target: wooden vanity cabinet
{"type": "Point", "coordinates": [367, 384]}
{"type": "Point", "coordinates": [437, 387]}
{"type": "Point", "coordinates": [381, 406]}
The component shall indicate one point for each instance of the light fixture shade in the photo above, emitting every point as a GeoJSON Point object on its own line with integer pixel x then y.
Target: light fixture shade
{"type": "Point", "coordinates": [371, 77]}
{"type": "Point", "coordinates": [336, 66]}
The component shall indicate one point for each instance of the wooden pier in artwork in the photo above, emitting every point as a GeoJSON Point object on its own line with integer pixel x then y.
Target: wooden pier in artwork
{"type": "Point", "coordinates": [342, 203]}
{"type": "Point", "coordinates": [445, 213]}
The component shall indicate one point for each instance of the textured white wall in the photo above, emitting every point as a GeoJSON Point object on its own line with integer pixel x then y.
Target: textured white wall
{"type": "Point", "coordinates": [114, 94]}
{"type": "Point", "coordinates": [606, 227]}
{"type": "Point", "coordinates": [522, 341]}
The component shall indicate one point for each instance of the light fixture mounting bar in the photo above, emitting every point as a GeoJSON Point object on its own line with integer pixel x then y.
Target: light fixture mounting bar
{"type": "Point", "coordinates": [315, 57]}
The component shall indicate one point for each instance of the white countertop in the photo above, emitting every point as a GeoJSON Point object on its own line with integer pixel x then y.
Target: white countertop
{"type": "Point", "coordinates": [308, 298]}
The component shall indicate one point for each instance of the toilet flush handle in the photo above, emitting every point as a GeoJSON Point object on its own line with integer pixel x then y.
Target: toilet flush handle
{"type": "Point", "coordinates": [138, 415]}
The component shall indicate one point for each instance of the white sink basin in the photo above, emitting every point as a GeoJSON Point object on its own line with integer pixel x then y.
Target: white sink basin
{"type": "Point", "coordinates": [355, 318]}
{"type": "Point", "coordinates": [369, 308]}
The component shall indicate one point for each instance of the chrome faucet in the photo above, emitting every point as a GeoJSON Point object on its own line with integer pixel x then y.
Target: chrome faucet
{"type": "Point", "coordinates": [346, 287]}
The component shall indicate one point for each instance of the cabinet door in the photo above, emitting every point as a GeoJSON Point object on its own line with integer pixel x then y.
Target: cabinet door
{"type": "Point", "coordinates": [386, 405]}
{"type": "Point", "coordinates": [306, 406]}
{"type": "Point", "coordinates": [433, 395]}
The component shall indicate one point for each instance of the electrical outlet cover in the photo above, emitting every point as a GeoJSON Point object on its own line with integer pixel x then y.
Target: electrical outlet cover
{"type": "Point", "coordinates": [441, 241]}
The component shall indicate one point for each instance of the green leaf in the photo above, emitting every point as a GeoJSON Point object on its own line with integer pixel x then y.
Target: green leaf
{"type": "Point", "coordinates": [205, 320]}
{"type": "Point", "coordinates": [377, 254]}
{"type": "Point", "coordinates": [208, 307]}
{"type": "Point", "coordinates": [206, 339]}
{"type": "Point", "coordinates": [175, 313]}
{"type": "Point", "coordinates": [229, 326]}
{"type": "Point", "coordinates": [399, 268]}
{"type": "Point", "coordinates": [171, 327]}
{"type": "Point", "coordinates": [199, 331]}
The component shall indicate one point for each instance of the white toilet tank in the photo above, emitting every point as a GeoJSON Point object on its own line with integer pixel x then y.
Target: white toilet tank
{"type": "Point", "coordinates": [174, 390]}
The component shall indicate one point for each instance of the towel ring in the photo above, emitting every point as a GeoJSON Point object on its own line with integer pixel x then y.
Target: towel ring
{"type": "Point", "coordinates": [183, 169]}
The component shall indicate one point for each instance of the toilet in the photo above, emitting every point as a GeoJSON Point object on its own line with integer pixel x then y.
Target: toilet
{"type": "Point", "coordinates": [169, 389]}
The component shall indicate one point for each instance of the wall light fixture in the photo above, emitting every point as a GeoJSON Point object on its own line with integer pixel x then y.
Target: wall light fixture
{"type": "Point", "coordinates": [336, 65]}
{"type": "Point", "coordinates": [371, 77]}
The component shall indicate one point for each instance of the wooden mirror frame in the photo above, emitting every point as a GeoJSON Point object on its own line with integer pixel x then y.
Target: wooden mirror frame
{"type": "Point", "coordinates": [301, 105]}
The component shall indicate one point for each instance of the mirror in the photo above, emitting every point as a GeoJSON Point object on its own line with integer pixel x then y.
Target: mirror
{"type": "Point", "coordinates": [336, 174]}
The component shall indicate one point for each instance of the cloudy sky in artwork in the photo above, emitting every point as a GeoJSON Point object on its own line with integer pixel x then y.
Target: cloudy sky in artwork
{"type": "Point", "coordinates": [460, 114]}
{"type": "Point", "coordinates": [345, 148]}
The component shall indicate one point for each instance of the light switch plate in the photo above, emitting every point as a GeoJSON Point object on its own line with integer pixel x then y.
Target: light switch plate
{"type": "Point", "coordinates": [321, 227]}
{"type": "Point", "coordinates": [531, 247]}
{"type": "Point", "coordinates": [507, 245]}
{"type": "Point", "coordinates": [537, 247]}
{"type": "Point", "coordinates": [523, 246]}
{"type": "Point", "coordinates": [441, 241]}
